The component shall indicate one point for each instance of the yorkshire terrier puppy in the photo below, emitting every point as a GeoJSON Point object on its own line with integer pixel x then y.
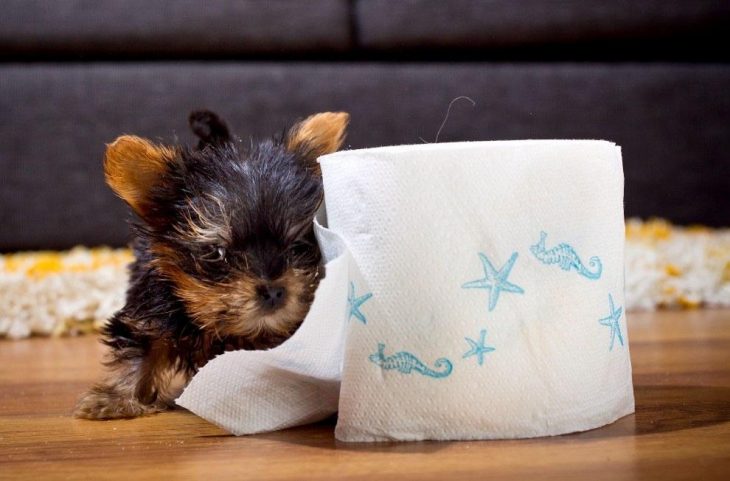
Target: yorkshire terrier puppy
{"type": "Point", "coordinates": [225, 254]}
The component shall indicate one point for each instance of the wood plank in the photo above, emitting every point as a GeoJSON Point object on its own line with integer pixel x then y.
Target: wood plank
{"type": "Point", "coordinates": [681, 429]}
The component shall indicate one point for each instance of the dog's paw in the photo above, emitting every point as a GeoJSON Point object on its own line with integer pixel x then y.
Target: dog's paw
{"type": "Point", "coordinates": [103, 402]}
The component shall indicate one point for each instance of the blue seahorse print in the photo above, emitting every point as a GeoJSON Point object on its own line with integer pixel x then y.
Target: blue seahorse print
{"type": "Point", "coordinates": [566, 257]}
{"type": "Point", "coordinates": [405, 362]}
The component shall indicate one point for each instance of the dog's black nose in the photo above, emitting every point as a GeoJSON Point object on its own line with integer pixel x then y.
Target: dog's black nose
{"type": "Point", "coordinates": [272, 297]}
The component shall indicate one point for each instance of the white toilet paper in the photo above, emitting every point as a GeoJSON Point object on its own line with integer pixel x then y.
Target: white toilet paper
{"type": "Point", "coordinates": [496, 273]}
{"type": "Point", "coordinates": [481, 289]}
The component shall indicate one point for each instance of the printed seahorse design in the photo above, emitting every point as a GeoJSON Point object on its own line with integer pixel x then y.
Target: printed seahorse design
{"type": "Point", "coordinates": [566, 257]}
{"type": "Point", "coordinates": [405, 362]}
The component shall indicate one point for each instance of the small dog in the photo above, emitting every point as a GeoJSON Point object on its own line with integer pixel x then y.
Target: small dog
{"type": "Point", "coordinates": [225, 254]}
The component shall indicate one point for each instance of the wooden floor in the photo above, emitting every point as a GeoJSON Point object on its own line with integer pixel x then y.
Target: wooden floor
{"type": "Point", "coordinates": [681, 429]}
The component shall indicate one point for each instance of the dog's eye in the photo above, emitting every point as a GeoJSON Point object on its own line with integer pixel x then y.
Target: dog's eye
{"type": "Point", "coordinates": [300, 247]}
{"type": "Point", "coordinates": [214, 254]}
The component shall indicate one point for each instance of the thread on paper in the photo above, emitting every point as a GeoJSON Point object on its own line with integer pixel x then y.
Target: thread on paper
{"type": "Point", "coordinates": [446, 117]}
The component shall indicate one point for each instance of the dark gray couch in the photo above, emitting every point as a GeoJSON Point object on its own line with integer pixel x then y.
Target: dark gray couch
{"type": "Point", "coordinates": [77, 73]}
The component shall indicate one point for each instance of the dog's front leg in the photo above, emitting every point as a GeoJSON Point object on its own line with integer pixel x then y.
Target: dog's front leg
{"type": "Point", "coordinates": [138, 381]}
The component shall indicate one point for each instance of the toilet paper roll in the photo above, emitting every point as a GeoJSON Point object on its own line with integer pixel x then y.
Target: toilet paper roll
{"type": "Point", "coordinates": [496, 277]}
{"type": "Point", "coordinates": [473, 291]}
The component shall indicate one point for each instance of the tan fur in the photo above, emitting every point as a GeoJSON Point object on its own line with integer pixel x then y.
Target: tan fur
{"type": "Point", "coordinates": [318, 134]}
{"type": "Point", "coordinates": [132, 166]}
{"type": "Point", "coordinates": [111, 401]}
{"type": "Point", "coordinates": [231, 308]}
{"type": "Point", "coordinates": [207, 227]}
{"type": "Point", "coordinates": [133, 388]}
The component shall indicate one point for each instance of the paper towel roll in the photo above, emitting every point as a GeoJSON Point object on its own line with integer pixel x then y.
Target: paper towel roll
{"type": "Point", "coordinates": [480, 287]}
{"type": "Point", "coordinates": [496, 277]}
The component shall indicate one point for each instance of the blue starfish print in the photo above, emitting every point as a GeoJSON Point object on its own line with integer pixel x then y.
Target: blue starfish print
{"type": "Point", "coordinates": [355, 303]}
{"type": "Point", "coordinates": [495, 280]}
{"type": "Point", "coordinates": [478, 349]}
{"type": "Point", "coordinates": [612, 321]}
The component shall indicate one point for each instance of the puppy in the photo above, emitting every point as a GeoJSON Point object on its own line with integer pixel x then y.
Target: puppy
{"type": "Point", "coordinates": [225, 254]}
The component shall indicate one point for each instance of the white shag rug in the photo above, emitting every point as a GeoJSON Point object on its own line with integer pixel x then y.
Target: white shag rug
{"type": "Point", "coordinates": [59, 293]}
{"type": "Point", "coordinates": [676, 267]}
{"type": "Point", "coordinates": [72, 292]}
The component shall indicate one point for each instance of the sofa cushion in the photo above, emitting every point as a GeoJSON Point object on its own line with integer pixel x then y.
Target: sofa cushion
{"type": "Point", "coordinates": [167, 27]}
{"type": "Point", "coordinates": [671, 121]}
{"type": "Point", "coordinates": [385, 24]}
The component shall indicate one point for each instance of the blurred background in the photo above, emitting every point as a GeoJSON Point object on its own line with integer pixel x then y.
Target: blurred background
{"type": "Point", "coordinates": [650, 75]}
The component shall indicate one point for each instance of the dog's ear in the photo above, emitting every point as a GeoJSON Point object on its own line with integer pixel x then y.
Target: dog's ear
{"type": "Point", "coordinates": [133, 166]}
{"type": "Point", "coordinates": [209, 128]}
{"type": "Point", "coordinates": [318, 134]}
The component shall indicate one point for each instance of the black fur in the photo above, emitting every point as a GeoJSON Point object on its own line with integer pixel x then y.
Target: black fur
{"type": "Point", "coordinates": [272, 198]}
{"type": "Point", "coordinates": [209, 128]}
{"type": "Point", "coordinates": [264, 197]}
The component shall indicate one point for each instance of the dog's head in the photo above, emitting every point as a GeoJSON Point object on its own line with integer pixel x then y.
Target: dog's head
{"type": "Point", "coordinates": [231, 226]}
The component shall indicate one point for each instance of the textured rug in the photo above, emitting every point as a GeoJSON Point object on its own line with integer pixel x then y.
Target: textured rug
{"type": "Point", "coordinates": [72, 292]}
